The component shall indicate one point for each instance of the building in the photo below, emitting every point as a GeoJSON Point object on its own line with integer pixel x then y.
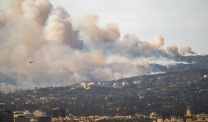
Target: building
{"type": "Point", "coordinates": [34, 120]}
{"type": "Point", "coordinates": [6, 116]}
{"type": "Point", "coordinates": [167, 120]}
{"type": "Point", "coordinates": [25, 113]}
{"type": "Point", "coordinates": [159, 119]}
{"type": "Point", "coordinates": [28, 114]}
{"type": "Point", "coordinates": [21, 119]}
{"type": "Point", "coordinates": [39, 113]}
{"type": "Point", "coordinates": [120, 85]}
{"type": "Point", "coordinates": [180, 119]}
{"type": "Point", "coordinates": [58, 112]}
{"type": "Point", "coordinates": [125, 84]}
{"type": "Point", "coordinates": [153, 115]}
{"type": "Point", "coordinates": [17, 113]}
{"type": "Point", "coordinates": [202, 117]}
{"type": "Point", "coordinates": [90, 84]}
{"type": "Point", "coordinates": [189, 119]}
{"type": "Point", "coordinates": [173, 119]}
{"type": "Point", "coordinates": [105, 85]}
{"type": "Point", "coordinates": [84, 85]}
{"type": "Point", "coordinates": [200, 120]}
{"type": "Point", "coordinates": [188, 112]}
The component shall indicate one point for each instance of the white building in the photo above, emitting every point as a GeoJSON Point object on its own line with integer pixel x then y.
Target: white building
{"type": "Point", "coordinates": [87, 85]}
{"type": "Point", "coordinates": [189, 119]}
{"type": "Point", "coordinates": [44, 99]}
{"type": "Point", "coordinates": [159, 119]}
{"type": "Point", "coordinates": [117, 85]}
{"type": "Point", "coordinates": [84, 85]}
{"type": "Point", "coordinates": [105, 85]}
{"type": "Point", "coordinates": [28, 114]}
{"type": "Point", "coordinates": [153, 115]}
{"type": "Point", "coordinates": [39, 113]}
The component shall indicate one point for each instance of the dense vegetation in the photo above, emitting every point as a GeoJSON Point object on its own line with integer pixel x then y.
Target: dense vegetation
{"type": "Point", "coordinates": [167, 94]}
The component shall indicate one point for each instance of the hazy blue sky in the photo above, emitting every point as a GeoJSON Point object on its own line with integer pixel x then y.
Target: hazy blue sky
{"type": "Point", "coordinates": [180, 22]}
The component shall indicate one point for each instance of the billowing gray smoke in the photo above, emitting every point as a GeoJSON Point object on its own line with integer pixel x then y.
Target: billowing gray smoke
{"type": "Point", "coordinates": [43, 46]}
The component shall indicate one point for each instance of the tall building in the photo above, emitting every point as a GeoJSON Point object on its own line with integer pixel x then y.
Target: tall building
{"type": "Point", "coordinates": [58, 112]}
{"type": "Point", "coordinates": [188, 112]}
{"type": "Point", "coordinates": [6, 116]}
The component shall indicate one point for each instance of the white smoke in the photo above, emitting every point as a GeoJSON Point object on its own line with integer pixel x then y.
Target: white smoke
{"type": "Point", "coordinates": [43, 46]}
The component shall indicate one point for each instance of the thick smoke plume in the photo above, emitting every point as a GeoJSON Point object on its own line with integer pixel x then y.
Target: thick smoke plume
{"type": "Point", "coordinates": [43, 46]}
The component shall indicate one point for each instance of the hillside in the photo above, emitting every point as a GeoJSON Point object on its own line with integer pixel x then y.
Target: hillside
{"type": "Point", "coordinates": [167, 94]}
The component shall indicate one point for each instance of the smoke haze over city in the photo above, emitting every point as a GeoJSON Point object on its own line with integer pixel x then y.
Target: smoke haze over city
{"type": "Point", "coordinates": [42, 45]}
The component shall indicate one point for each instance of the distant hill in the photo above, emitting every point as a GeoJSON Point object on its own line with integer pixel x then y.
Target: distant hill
{"type": "Point", "coordinates": [166, 94]}
{"type": "Point", "coordinates": [189, 61]}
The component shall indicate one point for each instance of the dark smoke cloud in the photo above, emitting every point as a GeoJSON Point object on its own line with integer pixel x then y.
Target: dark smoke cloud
{"type": "Point", "coordinates": [43, 46]}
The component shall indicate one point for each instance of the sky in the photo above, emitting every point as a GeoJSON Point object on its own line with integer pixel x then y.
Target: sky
{"type": "Point", "coordinates": [180, 22]}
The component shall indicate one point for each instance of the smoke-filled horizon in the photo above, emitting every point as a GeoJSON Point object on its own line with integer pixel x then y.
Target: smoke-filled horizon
{"type": "Point", "coordinates": [44, 46]}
